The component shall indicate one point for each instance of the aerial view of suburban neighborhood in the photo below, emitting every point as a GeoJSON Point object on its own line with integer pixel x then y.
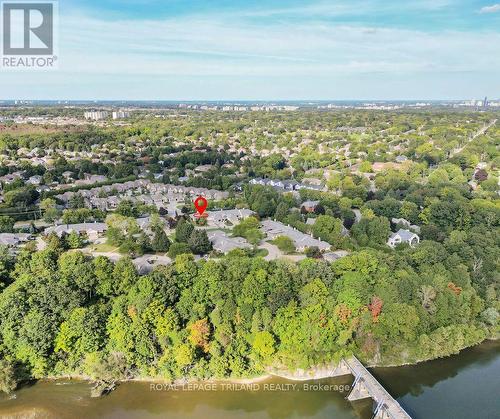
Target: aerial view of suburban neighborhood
{"type": "Point", "coordinates": [259, 209]}
{"type": "Point", "coordinates": [381, 218]}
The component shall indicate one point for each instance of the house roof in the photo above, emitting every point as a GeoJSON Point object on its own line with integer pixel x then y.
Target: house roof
{"type": "Point", "coordinates": [275, 228]}
{"type": "Point", "coordinates": [223, 243]}
{"type": "Point", "coordinates": [11, 239]}
{"type": "Point", "coordinates": [405, 235]}
{"type": "Point", "coordinates": [229, 214]}
{"type": "Point", "coordinates": [79, 228]}
{"type": "Point", "coordinates": [310, 204]}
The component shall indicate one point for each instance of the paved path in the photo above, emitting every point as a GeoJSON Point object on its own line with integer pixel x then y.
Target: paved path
{"type": "Point", "coordinates": [274, 252]}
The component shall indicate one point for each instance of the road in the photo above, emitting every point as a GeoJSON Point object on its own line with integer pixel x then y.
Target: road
{"type": "Point", "coordinates": [482, 131]}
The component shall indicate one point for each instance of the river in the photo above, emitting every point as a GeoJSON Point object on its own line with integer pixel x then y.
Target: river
{"type": "Point", "coordinates": [462, 386]}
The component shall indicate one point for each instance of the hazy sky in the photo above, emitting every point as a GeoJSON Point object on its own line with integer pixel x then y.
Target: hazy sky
{"type": "Point", "coordinates": [256, 49]}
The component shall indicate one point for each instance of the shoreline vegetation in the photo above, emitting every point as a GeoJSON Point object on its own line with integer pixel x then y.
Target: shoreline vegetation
{"type": "Point", "coordinates": [319, 372]}
{"type": "Point", "coordinates": [176, 322]}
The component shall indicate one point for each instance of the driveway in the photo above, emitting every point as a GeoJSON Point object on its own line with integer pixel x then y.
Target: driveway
{"type": "Point", "coordinates": [273, 251]}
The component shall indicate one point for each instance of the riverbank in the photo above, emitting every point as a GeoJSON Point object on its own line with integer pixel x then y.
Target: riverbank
{"type": "Point", "coordinates": [419, 361]}
{"type": "Point", "coordinates": [456, 387]}
{"type": "Point", "coordinates": [314, 373]}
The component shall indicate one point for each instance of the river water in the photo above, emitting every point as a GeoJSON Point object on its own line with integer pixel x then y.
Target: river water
{"type": "Point", "coordinates": [462, 386]}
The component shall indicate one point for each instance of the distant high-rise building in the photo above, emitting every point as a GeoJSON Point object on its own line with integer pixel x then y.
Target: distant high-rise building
{"type": "Point", "coordinates": [96, 115]}
{"type": "Point", "coordinates": [485, 103]}
{"type": "Point", "coordinates": [120, 114]}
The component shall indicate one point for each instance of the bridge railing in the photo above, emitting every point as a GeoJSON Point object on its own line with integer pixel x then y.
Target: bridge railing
{"type": "Point", "coordinates": [379, 393]}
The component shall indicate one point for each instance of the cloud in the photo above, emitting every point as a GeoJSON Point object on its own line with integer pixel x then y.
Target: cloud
{"type": "Point", "coordinates": [494, 8]}
{"type": "Point", "coordinates": [339, 9]}
{"type": "Point", "coordinates": [217, 55]}
{"type": "Point", "coordinates": [197, 46]}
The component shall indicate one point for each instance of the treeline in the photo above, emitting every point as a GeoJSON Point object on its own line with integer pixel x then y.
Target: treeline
{"type": "Point", "coordinates": [66, 314]}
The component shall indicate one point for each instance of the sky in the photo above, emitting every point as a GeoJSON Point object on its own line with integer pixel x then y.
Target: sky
{"type": "Point", "coordinates": [269, 50]}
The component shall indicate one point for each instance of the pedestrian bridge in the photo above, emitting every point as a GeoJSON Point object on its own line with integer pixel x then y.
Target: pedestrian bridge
{"type": "Point", "coordinates": [366, 386]}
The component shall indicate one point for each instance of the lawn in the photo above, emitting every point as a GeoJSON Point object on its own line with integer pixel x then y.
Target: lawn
{"type": "Point", "coordinates": [103, 248]}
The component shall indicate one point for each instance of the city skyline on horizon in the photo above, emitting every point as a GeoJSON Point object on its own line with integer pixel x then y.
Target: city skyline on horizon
{"type": "Point", "coordinates": [304, 101]}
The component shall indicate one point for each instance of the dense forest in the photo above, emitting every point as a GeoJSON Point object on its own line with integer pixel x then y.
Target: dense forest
{"type": "Point", "coordinates": [64, 314]}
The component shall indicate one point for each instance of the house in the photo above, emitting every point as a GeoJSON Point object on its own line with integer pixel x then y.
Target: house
{"type": "Point", "coordinates": [222, 243]}
{"type": "Point", "coordinates": [258, 181]}
{"type": "Point", "coordinates": [403, 236]}
{"type": "Point", "coordinates": [95, 178]}
{"type": "Point", "coordinates": [224, 217]}
{"type": "Point", "coordinates": [402, 221]}
{"type": "Point", "coordinates": [290, 185]}
{"type": "Point", "coordinates": [203, 168]}
{"type": "Point", "coordinates": [405, 223]}
{"type": "Point", "coordinates": [276, 184]}
{"type": "Point", "coordinates": [91, 179]}
{"type": "Point", "coordinates": [333, 256]}
{"type": "Point", "coordinates": [141, 190]}
{"type": "Point", "coordinates": [92, 230]}
{"type": "Point", "coordinates": [14, 239]}
{"type": "Point", "coordinates": [357, 214]}
{"type": "Point", "coordinates": [480, 175]}
{"type": "Point", "coordinates": [34, 180]}
{"type": "Point", "coordinates": [473, 185]}
{"type": "Point", "coordinates": [286, 185]}
{"type": "Point", "coordinates": [42, 188]}
{"type": "Point", "coordinates": [11, 178]}
{"type": "Point", "coordinates": [145, 264]}
{"type": "Point", "coordinates": [309, 206]}
{"type": "Point", "coordinates": [301, 240]}
{"type": "Point", "coordinates": [319, 188]}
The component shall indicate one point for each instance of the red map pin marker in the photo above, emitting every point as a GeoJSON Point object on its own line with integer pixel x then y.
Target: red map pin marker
{"type": "Point", "coordinates": [201, 205]}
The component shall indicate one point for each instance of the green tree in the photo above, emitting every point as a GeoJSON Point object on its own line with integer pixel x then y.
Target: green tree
{"type": "Point", "coordinates": [124, 276]}
{"type": "Point", "coordinates": [51, 213]}
{"type": "Point", "coordinates": [160, 241]}
{"type": "Point", "coordinates": [313, 252]}
{"type": "Point", "coordinates": [6, 224]}
{"type": "Point", "coordinates": [183, 231]}
{"type": "Point", "coordinates": [329, 229]}
{"type": "Point", "coordinates": [248, 223]}
{"type": "Point", "coordinates": [398, 321]}
{"type": "Point", "coordinates": [74, 240]}
{"type": "Point", "coordinates": [281, 211]}
{"type": "Point", "coordinates": [8, 380]}
{"type": "Point", "coordinates": [199, 242]}
{"type": "Point", "coordinates": [371, 231]}
{"type": "Point", "coordinates": [76, 201]}
{"type": "Point", "coordinates": [285, 244]}
{"type": "Point", "coordinates": [263, 344]}
{"type": "Point", "coordinates": [127, 209]}
{"type": "Point", "coordinates": [178, 249]}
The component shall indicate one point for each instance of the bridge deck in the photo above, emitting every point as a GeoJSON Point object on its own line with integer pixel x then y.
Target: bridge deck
{"type": "Point", "coordinates": [391, 408]}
